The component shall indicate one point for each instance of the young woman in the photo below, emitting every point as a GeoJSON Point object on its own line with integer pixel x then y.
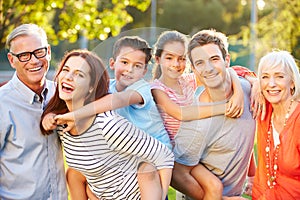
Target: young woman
{"type": "Point", "coordinates": [105, 148]}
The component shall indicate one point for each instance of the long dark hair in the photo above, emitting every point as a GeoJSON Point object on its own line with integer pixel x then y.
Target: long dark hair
{"type": "Point", "coordinates": [99, 81]}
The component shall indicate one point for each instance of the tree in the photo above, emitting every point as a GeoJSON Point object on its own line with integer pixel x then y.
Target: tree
{"type": "Point", "coordinates": [278, 27]}
{"type": "Point", "coordinates": [281, 27]}
{"type": "Point", "coordinates": [67, 20]}
{"type": "Point", "coordinates": [278, 24]}
{"type": "Point", "coordinates": [193, 15]}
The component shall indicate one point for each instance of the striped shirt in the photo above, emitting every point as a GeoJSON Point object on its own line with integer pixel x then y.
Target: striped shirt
{"type": "Point", "coordinates": [188, 84]}
{"type": "Point", "coordinates": [108, 155]}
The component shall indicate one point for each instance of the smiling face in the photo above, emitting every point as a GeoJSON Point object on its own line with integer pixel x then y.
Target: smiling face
{"type": "Point", "coordinates": [129, 67]}
{"type": "Point", "coordinates": [74, 82]}
{"type": "Point", "coordinates": [209, 65]}
{"type": "Point", "coordinates": [275, 84]}
{"type": "Point", "coordinates": [172, 60]}
{"type": "Point", "coordinates": [32, 73]}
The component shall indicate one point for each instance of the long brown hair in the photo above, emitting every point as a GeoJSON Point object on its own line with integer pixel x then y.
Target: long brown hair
{"type": "Point", "coordinates": [99, 81]}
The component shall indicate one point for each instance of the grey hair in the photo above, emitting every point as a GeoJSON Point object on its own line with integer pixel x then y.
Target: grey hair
{"type": "Point", "coordinates": [25, 29]}
{"type": "Point", "coordinates": [287, 62]}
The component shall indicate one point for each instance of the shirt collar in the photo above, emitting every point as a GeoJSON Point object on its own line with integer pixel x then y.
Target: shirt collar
{"type": "Point", "coordinates": [26, 92]}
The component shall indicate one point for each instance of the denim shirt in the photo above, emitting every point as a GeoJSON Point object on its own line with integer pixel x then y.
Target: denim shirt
{"type": "Point", "coordinates": [31, 164]}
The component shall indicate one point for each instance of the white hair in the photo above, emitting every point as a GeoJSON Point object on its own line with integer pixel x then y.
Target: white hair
{"type": "Point", "coordinates": [287, 62]}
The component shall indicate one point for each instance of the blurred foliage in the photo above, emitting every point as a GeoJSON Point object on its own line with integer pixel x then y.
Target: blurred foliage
{"type": "Point", "coordinates": [190, 16]}
{"type": "Point", "coordinates": [277, 27]}
{"type": "Point", "coordinates": [67, 20]}
{"type": "Point", "coordinates": [278, 23]}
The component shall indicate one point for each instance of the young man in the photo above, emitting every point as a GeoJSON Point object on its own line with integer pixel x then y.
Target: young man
{"type": "Point", "coordinates": [31, 165]}
{"type": "Point", "coordinates": [221, 144]}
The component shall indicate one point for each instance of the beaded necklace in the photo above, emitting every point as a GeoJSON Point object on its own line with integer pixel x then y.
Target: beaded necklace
{"type": "Point", "coordinates": [271, 164]}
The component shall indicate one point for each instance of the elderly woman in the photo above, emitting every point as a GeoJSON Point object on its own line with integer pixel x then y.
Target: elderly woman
{"type": "Point", "coordinates": [278, 172]}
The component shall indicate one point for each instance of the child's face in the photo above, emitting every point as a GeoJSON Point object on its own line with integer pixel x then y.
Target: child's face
{"type": "Point", "coordinates": [172, 60]}
{"type": "Point", "coordinates": [129, 66]}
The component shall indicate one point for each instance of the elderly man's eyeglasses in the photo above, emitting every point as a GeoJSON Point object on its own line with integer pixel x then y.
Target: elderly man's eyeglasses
{"type": "Point", "coordinates": [26, 56]}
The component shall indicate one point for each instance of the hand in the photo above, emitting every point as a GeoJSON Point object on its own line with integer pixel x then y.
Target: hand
{"type": "Point", "coordinates": [49, 122]}
{"type": "Point", "coordinates": [234, 109]}
{"type": "Point", "coordinates": [258, 102]}
{"type": "Point", "coordinates": [68, 119]}
{"type": "Point", "coordinates": [235, 105]}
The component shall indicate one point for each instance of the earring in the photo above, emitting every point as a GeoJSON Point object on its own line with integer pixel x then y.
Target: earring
{"type": "Point", "coordinates": [292, 90]}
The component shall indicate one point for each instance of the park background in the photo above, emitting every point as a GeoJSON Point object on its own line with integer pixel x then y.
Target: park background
{"type": "Point", "coordinates": [253, 27]}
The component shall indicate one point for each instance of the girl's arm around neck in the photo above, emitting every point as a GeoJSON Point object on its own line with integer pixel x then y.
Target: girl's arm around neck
{"type": "Point", "coordinates": [185, 113]}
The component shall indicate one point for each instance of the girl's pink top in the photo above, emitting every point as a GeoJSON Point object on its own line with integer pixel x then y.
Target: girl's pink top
{"type": "Point", "coordinates": [188, 85]}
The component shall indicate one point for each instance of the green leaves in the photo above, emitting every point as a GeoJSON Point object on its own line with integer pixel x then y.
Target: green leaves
{"type": "Point", "coordinates": [67, 20]}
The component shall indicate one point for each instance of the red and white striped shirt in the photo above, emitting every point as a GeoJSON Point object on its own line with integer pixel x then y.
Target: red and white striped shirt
{"type": "Point", "coordinates": [188, 85]}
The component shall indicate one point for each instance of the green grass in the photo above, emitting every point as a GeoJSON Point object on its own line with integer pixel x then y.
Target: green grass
{"type": "Point", "coordinates": [171, 194]}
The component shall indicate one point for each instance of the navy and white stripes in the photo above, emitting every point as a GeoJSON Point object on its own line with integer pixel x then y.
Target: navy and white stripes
{"type": "Point", "coordinates": [109, 152]}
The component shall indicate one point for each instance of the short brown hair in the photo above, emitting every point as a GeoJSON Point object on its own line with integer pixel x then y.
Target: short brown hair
{"type": "Point", "coordinates": [210, 36]}
{"type": "Point", "coordinates": [134, 42]}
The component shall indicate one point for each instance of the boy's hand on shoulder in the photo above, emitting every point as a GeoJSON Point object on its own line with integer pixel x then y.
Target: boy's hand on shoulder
{"type": "Point", "coordinates": [49, 123]}
{"type": "Point", "coordinates": [234, 110]}
{"type": "Point", "coordinates": [66, 119]}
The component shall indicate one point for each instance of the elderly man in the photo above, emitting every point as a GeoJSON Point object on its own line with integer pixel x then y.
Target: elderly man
{"type": "Point", "coordinates": [31, 165]}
